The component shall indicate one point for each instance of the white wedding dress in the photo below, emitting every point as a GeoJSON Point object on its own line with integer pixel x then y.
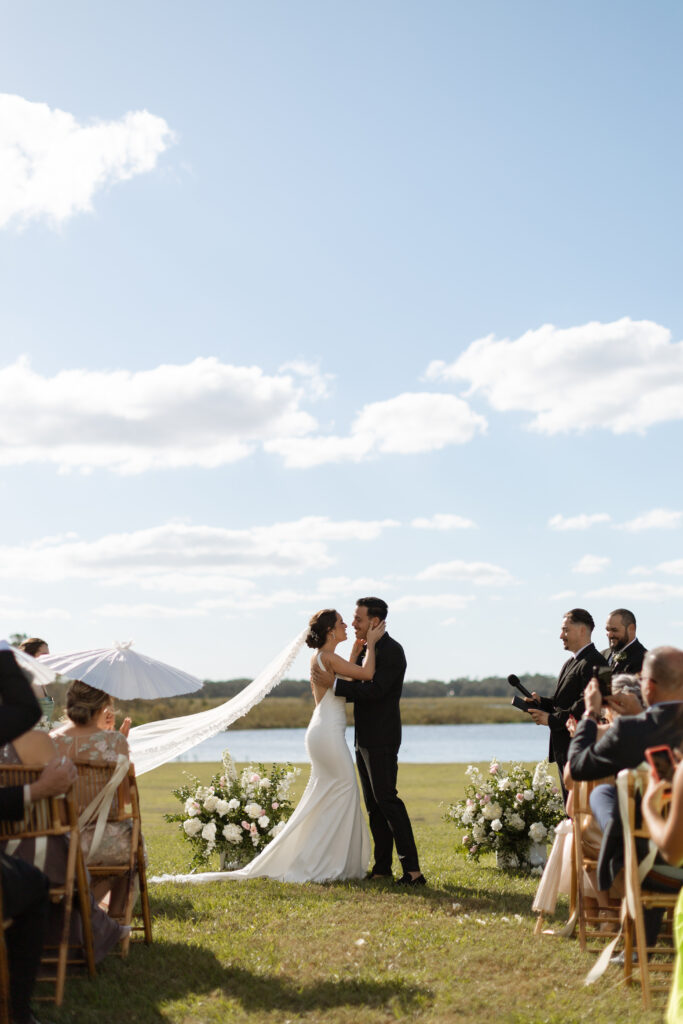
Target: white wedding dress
{"type": "Point", "coordinates": [326, 837]}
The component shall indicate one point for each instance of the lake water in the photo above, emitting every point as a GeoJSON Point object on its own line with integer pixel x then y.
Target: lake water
{"type": "Point", "coordinates": [422, 744]}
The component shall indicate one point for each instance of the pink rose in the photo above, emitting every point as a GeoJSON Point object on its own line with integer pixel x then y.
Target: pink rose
{"type": "Point", "coordinates": [275, 805]}
{"type": "Point", "coordinates": [493, 769]}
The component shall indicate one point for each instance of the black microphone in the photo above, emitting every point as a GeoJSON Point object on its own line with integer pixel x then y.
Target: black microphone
{"type": "Point", "coordinates": [513, 680]}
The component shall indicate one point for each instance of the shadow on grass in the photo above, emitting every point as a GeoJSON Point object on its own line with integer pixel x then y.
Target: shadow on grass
{"type": "Point", "coordinates": [164, 972]}
{"type": "Point", "coordinates": [175, 908]}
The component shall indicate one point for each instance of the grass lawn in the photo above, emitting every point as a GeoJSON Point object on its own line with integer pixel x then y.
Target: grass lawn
{"type": "Point", "coordinates": [461, 949]}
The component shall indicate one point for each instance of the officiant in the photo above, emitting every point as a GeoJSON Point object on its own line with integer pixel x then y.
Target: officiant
{"type": "Point", "coordinates": [575, 674]}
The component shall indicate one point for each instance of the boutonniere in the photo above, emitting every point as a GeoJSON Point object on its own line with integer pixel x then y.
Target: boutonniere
{"type": "Point", "coordinates": [618, 658]}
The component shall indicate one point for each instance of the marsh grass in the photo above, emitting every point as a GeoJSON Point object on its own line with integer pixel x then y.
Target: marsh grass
{"type": "Point", "coordinates": [261, 952]}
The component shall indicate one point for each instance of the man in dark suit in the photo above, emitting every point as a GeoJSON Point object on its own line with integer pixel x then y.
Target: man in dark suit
{"type": "Point", "coordinates": [24, 887]}
{"type": "Point", "coordinates": [624, 746]}
{"type": "Point", "coordinates": [625, 652]}
{"type": "Point", "coordinates": [377, 718]}
{"type": "Point", "coordinates": [575, 674]}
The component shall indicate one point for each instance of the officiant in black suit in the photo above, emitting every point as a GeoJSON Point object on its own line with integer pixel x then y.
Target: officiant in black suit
{"type": "Point", "coordinates": [625, 652]}
{"type": "Point", "coordinates": [575, 674]}
{"type": "Point", "coordinates": [377, 718]}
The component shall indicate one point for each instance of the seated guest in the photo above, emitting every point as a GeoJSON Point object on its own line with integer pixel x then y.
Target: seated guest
{"type": "Point", "coordinates": [36, 748]}
{"type": "Point", "coordinates": [667, 834]}
{"type": "Point", "coordinates": [24, 887]}
{"type": "Point", "coordinates": [625, 652]}
{"type": "Point", "coordinates": [88, 737]}
{"type": "Point", "coordinates": [37, 648]}
{"type": "Point", "coordinates": [623, 746]}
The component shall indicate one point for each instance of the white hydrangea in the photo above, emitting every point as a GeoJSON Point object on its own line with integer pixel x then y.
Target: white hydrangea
{"type": "Point", "coordinates": [264, 821]}
{"type": "Point", "coordinates": [210, 803]}
{"type": "Point", "coordinates": [492, 810]}
{"type": "Point", "coordinates": [537, 832]}
{"type": "Point", "coordinates": [277, 829]}
{"type": "Point", "coordinates": [478, 832]}
{"type": "Point", "coordinates": [253, 810]}
{"type": "Point", "coordinates": [264, 783]}
{"type": "Point", "coordinates": [222, 807]}
{"type": "Point", "coordinates": [528, 794]}
{"type": "Point", "coordinates": [192, 826]}
{"type": "Point", "coordinates": [466, 817]}
{"type": "Point", "coordinates": [504, 783]}
{"type": "Point", "coordinates": [497, 825]}
{"type": "Point", "coordinates": [233, 833]}
{"type": "Point", "coordinates": [233, 804]}
{"type": "Point", "coordinates": [515, 821]}
{"type": "Point", "coordinates": [202, 792]}
{"type": "Point", "coordinates": [209, 832]}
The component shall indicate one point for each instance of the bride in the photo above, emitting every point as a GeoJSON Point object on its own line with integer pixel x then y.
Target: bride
{"type": "Point", "coordinates": [326, 837]}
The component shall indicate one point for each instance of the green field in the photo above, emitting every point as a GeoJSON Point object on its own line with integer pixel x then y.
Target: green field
{"type": "Point", "coordinates": [261, 952]}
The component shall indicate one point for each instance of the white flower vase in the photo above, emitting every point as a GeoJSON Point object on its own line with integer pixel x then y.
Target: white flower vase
{"type": "Point", "coordinates": [529, 856]}
{"type": "Point", "coordinates": [228, 865]}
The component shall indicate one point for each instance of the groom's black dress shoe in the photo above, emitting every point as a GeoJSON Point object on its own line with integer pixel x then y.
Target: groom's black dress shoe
{"type": "Point", "coordinates": [408, 880]}
{"type": "Point", "coordinates": [373, 876]}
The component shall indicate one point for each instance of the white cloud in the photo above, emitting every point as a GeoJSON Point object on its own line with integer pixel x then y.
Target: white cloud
{"type": "Point", "coordinates": [674, 567]}
{"type": "Point", "coordinates": [562, 595]}
{"type": "Point", "coordinates": [205, 413]}
{"type": "Point", "coordinates": [146, 611]}
{"type": "Point", "coordinates": [443, 521]}
{"type": "Point", "coordinates": [183, 558]}
{"type": "Point", "coordinates": [623, 376]}
{"type": "Point", "coordinates": [580, 522]}
{"type": "Point", "coordinates": [408, 424]}
{"type": "Point", "coordinates": [655, 519]}
{"type": "Point", "coordinates": [360, 586]}
{"type": "Point", "coordinates": [51, 166]}
{"type": "Point", "coordinates": [591, 564]}
{"type": "Point", "coordinates": [646, 591]}
{"type": "Point", "coordinates": [441, 602]}
{"type": "Point", "coordinates": [482, 574]}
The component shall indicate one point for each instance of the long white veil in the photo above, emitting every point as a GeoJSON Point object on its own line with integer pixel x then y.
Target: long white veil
{"type": "Point", "coordinates": [156, 743]}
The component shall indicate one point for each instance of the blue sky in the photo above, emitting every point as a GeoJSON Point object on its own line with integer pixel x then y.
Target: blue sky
{"type": "Point", "coordinates": [304, 301]}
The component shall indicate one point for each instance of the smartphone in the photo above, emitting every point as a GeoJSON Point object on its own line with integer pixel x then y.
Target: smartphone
{"type": "Point", "coordinates": [603, 674]}
{"type": "Point", "coordinates": [661, 760]}
{"type": "Point", "coordinates": [522, 705]}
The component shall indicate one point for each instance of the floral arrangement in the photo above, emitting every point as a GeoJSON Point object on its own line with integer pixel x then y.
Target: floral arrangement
{"type": "Point", "coordinates": [234, 815]}
{"type": "Point", "coordinates": [506, 810]}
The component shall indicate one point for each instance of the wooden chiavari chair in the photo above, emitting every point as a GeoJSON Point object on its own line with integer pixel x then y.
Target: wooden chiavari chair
{"type": "Point", "coordinates": [44, 819]}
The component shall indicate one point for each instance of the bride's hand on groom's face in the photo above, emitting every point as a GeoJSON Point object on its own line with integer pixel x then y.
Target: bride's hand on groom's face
{"type": "Point", "coordinates": [375, 633]}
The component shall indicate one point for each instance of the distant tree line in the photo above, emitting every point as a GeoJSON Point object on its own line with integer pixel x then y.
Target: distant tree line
{"type": "Point", "coordinates": [490, 686]}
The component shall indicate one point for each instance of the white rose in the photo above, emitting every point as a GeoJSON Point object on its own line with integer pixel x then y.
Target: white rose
{"type": "Point", "coordinates": [192, 808]}
{"type": "Point", "coordinates": [192, 826]}
{"type": "Point", "coordinates": [253, 810]}
{"type": "Point", "coordinates": [210, 802]}
{"type": "Point", "coordinates": [264, 784]}
{"type": "Point", "coordinates": [497, 825]}
{"type": "Point", "coordinates": [233, 833]}
{"type": "Point", "coordinates": [515, 821]}
{"type": "Point", "coordinates": [537, 832]}
{"type": "Point", "coordinates": [504, 783]}
{"type": "Point", "coordinates": [264, 821]}
{"type": "Point", "coordinates": [233, 804]}
{"type": "Point", "coordinates": [528, 794]}
{"type": "Point", "coordinates": [222, 807]}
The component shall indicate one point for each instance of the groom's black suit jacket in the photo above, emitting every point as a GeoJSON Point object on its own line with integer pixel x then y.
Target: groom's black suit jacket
{"type": "Point", "coordinates": [376, 711]}
{"type": "Point", "coordinates": [19, 712]}
{"type": "Point", "coordinates": [574, 677]}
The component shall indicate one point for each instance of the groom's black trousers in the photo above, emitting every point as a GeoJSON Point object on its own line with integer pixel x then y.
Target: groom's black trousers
{"type": "Point", "coordinates": [389, 821]}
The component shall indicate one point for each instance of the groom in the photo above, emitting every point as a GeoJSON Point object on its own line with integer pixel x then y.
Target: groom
{"type": "Point", "coordinates": [378, 737]}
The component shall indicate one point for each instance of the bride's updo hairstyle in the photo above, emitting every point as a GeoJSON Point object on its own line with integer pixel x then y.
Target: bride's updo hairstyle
{"type": "Point", "coordinates": [320, 625]}
{"type": "Point", "coordinates": [83, 702]}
